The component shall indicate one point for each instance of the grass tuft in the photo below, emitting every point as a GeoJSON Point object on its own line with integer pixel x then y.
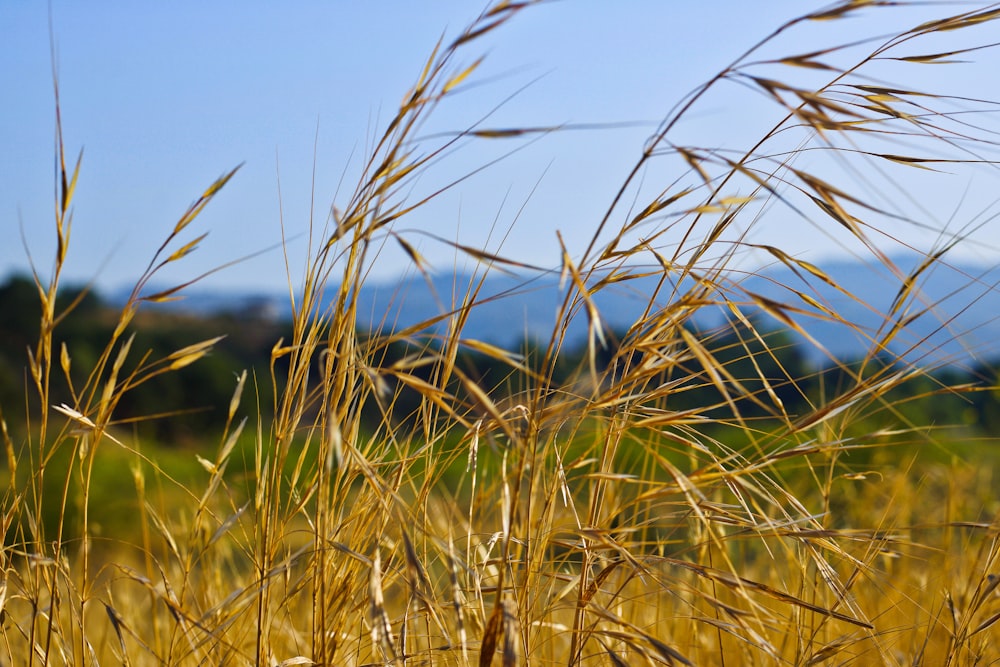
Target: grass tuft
{"type": "Point", "coordinates": [657, 504]}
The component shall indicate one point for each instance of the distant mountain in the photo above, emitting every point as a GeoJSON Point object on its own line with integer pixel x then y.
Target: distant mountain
{"type": "Point", "coordinates": [950, 315]}
{"type": "Point", "coordinates": [960, 326]}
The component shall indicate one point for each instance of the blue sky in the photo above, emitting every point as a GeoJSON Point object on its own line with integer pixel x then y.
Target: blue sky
{"type": "Point", "coordinates": [164, 98]}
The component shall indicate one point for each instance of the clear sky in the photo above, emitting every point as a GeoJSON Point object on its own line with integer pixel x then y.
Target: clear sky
{"type": "Point", "coordinates": [165, 97]}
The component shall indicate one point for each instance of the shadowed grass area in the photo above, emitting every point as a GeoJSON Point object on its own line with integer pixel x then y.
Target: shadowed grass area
{"type": "Point", "coordinates": [535, 521]}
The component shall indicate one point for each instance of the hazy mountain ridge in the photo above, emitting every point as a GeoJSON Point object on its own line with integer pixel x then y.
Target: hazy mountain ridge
{"type": "Point", "coordinates": [510, 308]}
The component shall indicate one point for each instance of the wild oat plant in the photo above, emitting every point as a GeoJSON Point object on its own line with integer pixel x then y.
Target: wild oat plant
{"type": "Point", "coordinates": [530, 521]}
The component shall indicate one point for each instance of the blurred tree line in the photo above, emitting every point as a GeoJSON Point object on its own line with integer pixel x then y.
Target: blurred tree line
{"type": "Point", "coordinates": [202, 390]}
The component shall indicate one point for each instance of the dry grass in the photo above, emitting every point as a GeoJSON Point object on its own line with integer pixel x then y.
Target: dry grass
{"type": "Point", "coordinates": [593, 523]}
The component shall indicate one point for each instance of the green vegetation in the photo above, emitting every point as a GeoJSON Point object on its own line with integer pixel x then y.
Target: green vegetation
{"type": "Point", "coordinates": [201, 391]}
{"type": "Point", "coordinates": [660, 496]}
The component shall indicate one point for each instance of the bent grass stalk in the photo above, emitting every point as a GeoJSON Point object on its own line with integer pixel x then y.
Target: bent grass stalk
{"type": "Point", "coordinates": [590, 521]}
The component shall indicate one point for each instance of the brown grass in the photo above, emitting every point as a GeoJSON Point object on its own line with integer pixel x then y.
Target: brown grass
{"type": "Point", "coordinates": [594, 523]}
